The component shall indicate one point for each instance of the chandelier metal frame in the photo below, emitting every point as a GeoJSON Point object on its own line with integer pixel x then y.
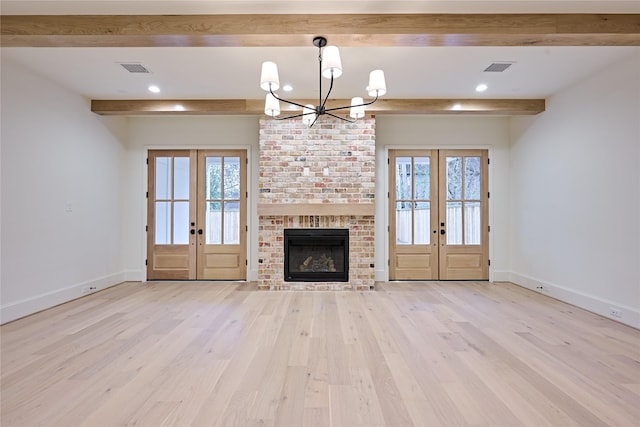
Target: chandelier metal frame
{"type": "Point", "coordinates": [311, 113]}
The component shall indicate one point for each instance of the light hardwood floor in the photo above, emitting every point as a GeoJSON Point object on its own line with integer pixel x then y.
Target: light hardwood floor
{"type": "Point", "coordinates": [407, 354]}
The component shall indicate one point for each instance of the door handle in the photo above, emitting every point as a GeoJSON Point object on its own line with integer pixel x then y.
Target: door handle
{"type": "Point", "coordinates": [200, 231]}
{"type": "Point", "coordinates": [193, 231]}
{"type": "Point", "coordinates": [443, 231]}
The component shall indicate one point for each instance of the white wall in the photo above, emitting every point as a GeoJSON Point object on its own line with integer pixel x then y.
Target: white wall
{"type": "Point", "coordinates": [575, 193]}
{"type": "Point", "coordinates": [448, 132]}
{"type": "Point", "coordinates": [185, 132]}
{"type": "Point", "coordinates": [61, 209]}
{"type": "Point", "coordinates": [391, 131]}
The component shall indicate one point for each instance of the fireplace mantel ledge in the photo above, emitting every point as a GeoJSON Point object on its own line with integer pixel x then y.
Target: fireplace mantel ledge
{"type": "Point", "coordinates": [320, 209]}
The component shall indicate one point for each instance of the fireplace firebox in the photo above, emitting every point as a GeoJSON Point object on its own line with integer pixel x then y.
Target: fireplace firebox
{"type": "Point", "coordinates": [316, 255]}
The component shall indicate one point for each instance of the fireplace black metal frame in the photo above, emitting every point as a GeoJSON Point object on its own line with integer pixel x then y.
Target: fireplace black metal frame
{"type": "Point", "coordinates": [321, 236]}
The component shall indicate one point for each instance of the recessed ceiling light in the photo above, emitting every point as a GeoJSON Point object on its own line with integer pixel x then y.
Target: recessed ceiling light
{"type": "Point", "coordinates": [287, 88]}
{"type": "Point", "coordinates": [154, 89]}
{"type": "Point", "coordinates": [481, 87]}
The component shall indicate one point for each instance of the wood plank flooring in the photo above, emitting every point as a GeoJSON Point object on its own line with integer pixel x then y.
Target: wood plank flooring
{"type": "Point", "coordinates": [407, 354]}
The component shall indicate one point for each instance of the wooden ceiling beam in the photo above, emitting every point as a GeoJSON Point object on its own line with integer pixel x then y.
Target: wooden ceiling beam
{"type": "Point", "coordinates": [255, 106]}
{"type": "Point", "coordinates": [409, 30]}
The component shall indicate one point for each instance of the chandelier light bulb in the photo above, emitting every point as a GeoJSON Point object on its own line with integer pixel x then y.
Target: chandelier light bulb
{"type": "Point", "coordinates": [269, 79]}
{"type": "Point", "coordinates": [377, 85]}
{"type": "Point", "coordinates": [357, 109]}
{"type": "Point", "coordinates": [308, 114]}
{"type": "Point", "coordinates": [331, 63]}
{"type": "Point", "coordinates": [271, 106]}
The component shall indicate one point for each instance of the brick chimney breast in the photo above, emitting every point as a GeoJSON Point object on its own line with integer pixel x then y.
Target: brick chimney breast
{"type": "Point", "coordinates": [322, 176]}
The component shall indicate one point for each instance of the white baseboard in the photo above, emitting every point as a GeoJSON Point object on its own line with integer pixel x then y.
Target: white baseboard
{"type": "Point", "coordinates": [628, 315]}
{"type": "Point", "coordinates": [133, 276]}
{"type": "Point", "coordinates": [500, 276]}
{"type": "Point", "coordinates": [27, 306]}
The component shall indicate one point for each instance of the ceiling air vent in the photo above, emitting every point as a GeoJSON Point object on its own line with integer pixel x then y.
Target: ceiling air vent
{"type": "Point", "coordinates": [498, 67]}
{"type": "Point", "coordinates": [135, 68]}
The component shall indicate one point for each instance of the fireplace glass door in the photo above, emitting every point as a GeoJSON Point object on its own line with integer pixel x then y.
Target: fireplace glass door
{"type": "Point", "coordinates": [316, 255]}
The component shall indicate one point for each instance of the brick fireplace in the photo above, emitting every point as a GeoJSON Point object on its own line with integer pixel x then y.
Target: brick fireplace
{"type": "Point", "coordinates": [316, 178]}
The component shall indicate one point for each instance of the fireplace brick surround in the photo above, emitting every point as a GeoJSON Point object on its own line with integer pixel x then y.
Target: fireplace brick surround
{"type": "Point", "coordinates": [319, 177]}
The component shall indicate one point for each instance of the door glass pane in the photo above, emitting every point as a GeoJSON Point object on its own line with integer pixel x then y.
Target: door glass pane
{"type": "Point", "coordinates": [421, 221]}
{"type": "Point", "coordinates": [163, 178]}
{"type": "Point", "coordinates": [181, 178]}
{"type": "Point", "coordinates": [472, 178]}
{"type": "Point", "coordinates": [422, 178]}
{"type": "Point", "coordinates": [232, 223]}
{"type": "Point", "coordinates": [232, 178]}
{"type": "Point", "coordinates": [403, 223]}
{"type": "Point", "coordinates": [403, 178]}
{"type": "Point", "coordinates": [472, 223]}
{"type": "Point", "coordinates": [213, 178]}
{"type": "Point", "coordinates": [213, 223]}
{"type": "Point", "coordinates": [454, 178]}
{"type": "Point", "coordinates": [163, 223]}
{"type": "Point", "coordinates": [454, 223]}
{"type": "Point", "coordinates": [181, 223]}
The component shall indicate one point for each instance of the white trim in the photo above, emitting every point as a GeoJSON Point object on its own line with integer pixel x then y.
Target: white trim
{"type": "Point", "coordinates": [383, 274]}
{"type": "Point", "coordinates": [501, 276]}
{"type": "Point", "coordinates": [144, 200]}
{"type": "Point", "coordinates": [134, 276]}
{"type": "Point", "coordinates": [600, 306]}
{"type": "Point", "coordinates": [47, 300]}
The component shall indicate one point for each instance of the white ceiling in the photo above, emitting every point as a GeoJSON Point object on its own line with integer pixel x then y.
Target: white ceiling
{"type": "Point", "coordinates": [224, 72]}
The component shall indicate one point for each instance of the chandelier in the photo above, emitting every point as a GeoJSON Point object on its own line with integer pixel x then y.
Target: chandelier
{"type": "Point", "coordinates": [330, 68]}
